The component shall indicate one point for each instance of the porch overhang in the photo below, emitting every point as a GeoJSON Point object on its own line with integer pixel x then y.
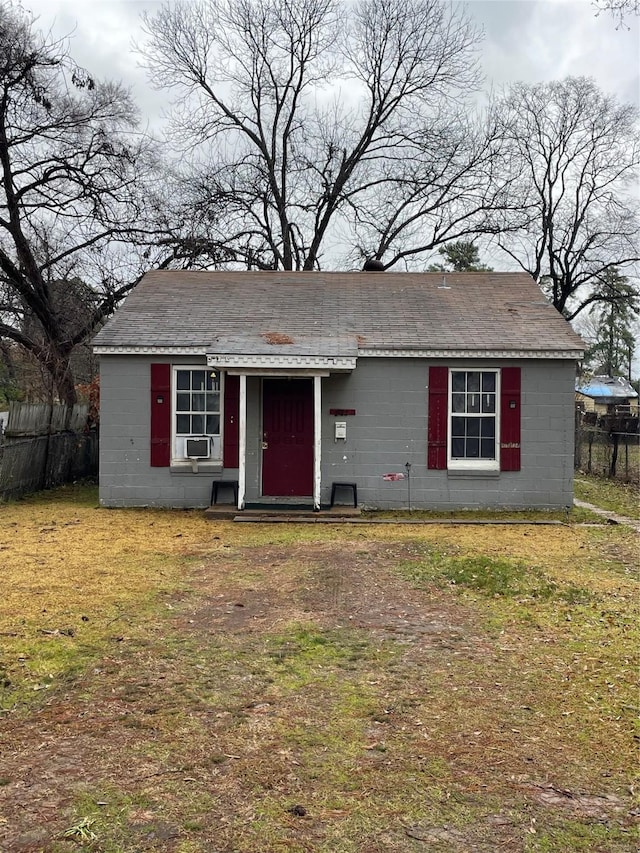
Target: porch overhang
{"type": "Point", "coordinates": [283, 352]}
{"type": "Point", "coordinates": [300, 364]}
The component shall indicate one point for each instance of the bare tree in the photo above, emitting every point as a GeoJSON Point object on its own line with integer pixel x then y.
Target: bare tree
{"type": "Point", "coordinates": [574, 154]}
{"type": "Point", "coordinates": [317, 127]}
{"type": "Point", "coordinates": [72, 171]}
{"type": "Point", "coordinates": [619, 9]}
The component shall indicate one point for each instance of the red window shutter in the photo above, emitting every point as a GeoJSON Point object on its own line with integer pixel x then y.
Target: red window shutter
{"type": "Point", "coordinates": [231, 435]}
{"type": "Point", "coordinates": [160, 415]}
{"type": "Point", "coordinates": [438, 415]}
{"type": "Point", "coordinates": [510, 419]}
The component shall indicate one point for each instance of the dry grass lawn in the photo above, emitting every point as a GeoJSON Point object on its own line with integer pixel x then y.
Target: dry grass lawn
{"type": "Point", "coordinates": [173, 684]}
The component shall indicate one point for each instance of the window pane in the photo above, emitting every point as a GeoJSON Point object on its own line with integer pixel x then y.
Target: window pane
{"type": "Point", "coordinates": [473, 427]}
{"type": "Point", "coordinates": [182, 402]}
{"type": "Point", "coordinates": [183, 380]}
{"type": "Point", "coordinates": [457, 402]}
{"type": "Point", "coordinates": [213, 424]}
{"type": "Point", "coordinates": [213, 383]}
{"type": "Point", "coordinates": [473, 448]}
{"type": "Point", "coordinates": [457, 448]}
{"type": "Point", "coordinates": [488, 429]}
{"type": "Point", "coordinates": [473, 402]}
{"type": "Point", "coordinates": [198, 380]}
{"type": "Point", "coordinates": [488, 402]}
{"type": "Point", "coordinates": [473, 381]}
{"type": "Point", "coordinates": [197, 402]}
{"type": "Point", "coordinates": [458, 381]}
{"type": "Point", "coordinates": [197, 423]}
{"type": "Point", "coordinates": [182, 424]}
{"type": "Point", "coordinates": [457, 426]}
{"type": "Point", "coordinates": [489, 382]}
{"type": "Point", "coordinates": [213, 401]}
{"type": "Point", "coordinates": [488, 448]}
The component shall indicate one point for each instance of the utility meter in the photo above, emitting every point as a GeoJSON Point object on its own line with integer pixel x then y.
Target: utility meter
{"type": "Point", "coordinates": [340, 430]}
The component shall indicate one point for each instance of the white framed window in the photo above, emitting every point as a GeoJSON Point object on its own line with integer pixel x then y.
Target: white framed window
{"type": "Point", "coordinates": [474, 419]}
{"type": "Point", "coordinates": [196, 413]}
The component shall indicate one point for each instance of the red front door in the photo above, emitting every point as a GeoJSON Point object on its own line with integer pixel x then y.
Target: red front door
{"type": "Point", "coordinates": [287, 437]}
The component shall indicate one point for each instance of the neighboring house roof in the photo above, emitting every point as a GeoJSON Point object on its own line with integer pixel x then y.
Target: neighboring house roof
{"type": "Point", "coordinates": [607, 389]}
{"type": "Point", "coordinates": [339, 314]}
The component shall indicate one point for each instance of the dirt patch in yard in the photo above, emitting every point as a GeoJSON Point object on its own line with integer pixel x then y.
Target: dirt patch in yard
{"type": "Point", "coordinates": [334, 589]}
{"type": "Point", "coordinates": [337, 691]}
{"type": "Point", "coordinates": [112, 729]}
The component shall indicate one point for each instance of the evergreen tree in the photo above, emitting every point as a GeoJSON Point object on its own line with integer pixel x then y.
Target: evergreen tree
{"type": "Point", "coordinates": [460, 256]}
{"type": "Point", "coordinates": [613, 339]}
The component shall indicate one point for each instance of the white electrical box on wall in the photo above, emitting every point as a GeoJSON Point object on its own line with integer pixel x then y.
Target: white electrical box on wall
{"type": "Point", "coordinates": [340, 430]}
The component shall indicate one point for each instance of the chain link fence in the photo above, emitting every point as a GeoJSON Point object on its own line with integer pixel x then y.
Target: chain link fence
{"type": "Point", "coordinates": [608, 445]}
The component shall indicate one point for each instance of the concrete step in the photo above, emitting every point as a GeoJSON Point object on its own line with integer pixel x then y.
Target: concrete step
{"type": "Point", "coordinates": [278, 514]}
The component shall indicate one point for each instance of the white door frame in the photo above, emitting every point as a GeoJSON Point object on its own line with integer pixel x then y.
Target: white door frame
{"type": "Point", "coordinates": [317, 438]}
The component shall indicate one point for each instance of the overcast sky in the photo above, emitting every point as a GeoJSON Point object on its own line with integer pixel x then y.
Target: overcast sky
{"type": "Point", "coordinates": [524, 40]}
{"type": "Point", "coordinates": [529, 40]}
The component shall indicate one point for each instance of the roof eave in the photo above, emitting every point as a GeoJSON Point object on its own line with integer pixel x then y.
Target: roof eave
{"type": "Point", "coordinates": [380, 352]}
{"type": "Point", "coordinates": [363, 352]}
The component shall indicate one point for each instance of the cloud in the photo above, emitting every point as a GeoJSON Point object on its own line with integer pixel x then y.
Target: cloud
{"type": "Point", "coordinates": [528, 40]}
{"type": "Point", "coordinates": [101, 35]}
{"type": "Point", "coordinates": [541, 40]}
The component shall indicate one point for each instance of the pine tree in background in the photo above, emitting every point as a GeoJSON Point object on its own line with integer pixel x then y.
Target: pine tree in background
{"type": "Point", "coordinates": [460, 256]}
{"type": "Point", "coordinates": [611, 327]}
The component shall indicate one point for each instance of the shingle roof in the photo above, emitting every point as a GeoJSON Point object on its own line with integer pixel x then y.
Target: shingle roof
{"type": "Point", "coordinates": [338, 313]}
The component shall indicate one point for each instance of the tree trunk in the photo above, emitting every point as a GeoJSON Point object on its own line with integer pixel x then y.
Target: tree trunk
{"type": "Point", "coordinates": [62, 375]}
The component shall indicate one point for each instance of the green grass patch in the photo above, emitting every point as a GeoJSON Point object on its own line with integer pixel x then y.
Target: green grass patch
{"type": "Point", "coordinates": [581, 837]}
{"type": "Point", "coordinates": [39, 658]}
{"type": "Point", "coordinates": [495, 577]}
{"type": "Point", "coordinates": [112, 820]}
{"type": "Point", "coordinates": [492, 577]}
{"type": "Point", "coordinates": [304, 652]}
{"type": "Point", "coordinates": [622, 498]}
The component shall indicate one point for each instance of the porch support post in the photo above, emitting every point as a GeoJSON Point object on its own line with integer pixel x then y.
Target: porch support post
{"type": "Point", "coordinates": [317, 440]}
{"type": "Point", "coordinates": [242, 450]}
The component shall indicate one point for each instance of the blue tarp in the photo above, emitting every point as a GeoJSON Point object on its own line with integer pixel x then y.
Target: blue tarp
{"type": "Point", "coordinates": [606, 386]}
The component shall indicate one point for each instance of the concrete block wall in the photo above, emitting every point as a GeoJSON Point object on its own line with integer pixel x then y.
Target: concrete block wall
{"type": "Point", "coordinates": [388, 430]}
{"type": "Point", "coordinates": [390, 397]}
{"type": "Point", "coordinates": [126, 476]}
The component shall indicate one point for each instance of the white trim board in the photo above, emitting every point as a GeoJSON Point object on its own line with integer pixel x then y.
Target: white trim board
{"type": "Point", "coordinates": [572, 355]}
{"type": "Point", "coordinates": [333, 362]}
{"type": "Point", "coordinates": [261, 362]}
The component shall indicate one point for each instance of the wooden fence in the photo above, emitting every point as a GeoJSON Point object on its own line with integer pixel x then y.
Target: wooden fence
{"type": "Point", "coordinates": [45, 446]}
{"type": "Point", "coordinates": [31, 419]}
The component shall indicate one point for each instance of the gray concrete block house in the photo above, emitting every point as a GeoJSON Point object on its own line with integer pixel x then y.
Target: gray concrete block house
{"type": "Point", "coordinates": [283, 384]}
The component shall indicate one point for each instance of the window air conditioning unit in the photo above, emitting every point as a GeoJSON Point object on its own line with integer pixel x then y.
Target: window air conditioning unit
{"type": "Point", "coordinates": [198, 448]}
